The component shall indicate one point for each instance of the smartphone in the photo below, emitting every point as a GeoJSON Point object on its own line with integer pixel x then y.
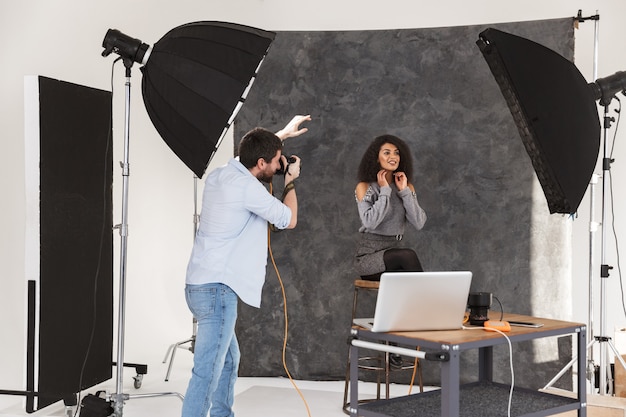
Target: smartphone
{"type": "Point", "coordinates": [525, 324]}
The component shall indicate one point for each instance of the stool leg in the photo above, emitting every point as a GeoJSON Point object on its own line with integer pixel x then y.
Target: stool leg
{"type": "Point", "coordinates": [419, 374]}
{"type": "Point", "coordinates": [417, 365]}
{"type": "Point", "coordinates": [381, 362]}
{"type": "Point", "coordinates": [387, 375]}
{"type": "Point", "coordinates": [347, 383]}
{"type": "Point", "coordinates": [355, 299]}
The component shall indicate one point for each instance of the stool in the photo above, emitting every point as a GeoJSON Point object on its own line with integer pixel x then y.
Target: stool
{"type": "Point", "coordinates": [379, 363]}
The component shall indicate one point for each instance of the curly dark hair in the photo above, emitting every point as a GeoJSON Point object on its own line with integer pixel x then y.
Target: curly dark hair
{"type": "Point", "coordinates": [369, 166]}
{"type": "Point", "coordinates": [258, 143]}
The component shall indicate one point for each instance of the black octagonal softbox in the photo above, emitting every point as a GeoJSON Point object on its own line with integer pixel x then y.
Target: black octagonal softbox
{"type": "Point", "coordinates": [195, 81]}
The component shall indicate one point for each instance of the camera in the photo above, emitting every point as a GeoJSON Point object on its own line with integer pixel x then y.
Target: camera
{"type": "Point", "coordinates": [283, 169]}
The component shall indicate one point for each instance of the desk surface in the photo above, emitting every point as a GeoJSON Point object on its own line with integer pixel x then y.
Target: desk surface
{"type": "Point", "coordinates": [464, 336]}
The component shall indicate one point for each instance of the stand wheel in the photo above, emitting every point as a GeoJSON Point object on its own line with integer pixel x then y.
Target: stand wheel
{"type": "Point", "coordinates": [70, 410]}
{"type": "Point", "coordinates": [138, 379]}
{"type": "Point", "coordinates": [71, 405]}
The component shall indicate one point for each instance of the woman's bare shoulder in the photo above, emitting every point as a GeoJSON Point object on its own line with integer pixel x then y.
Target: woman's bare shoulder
{"type": "Point", "coordinates": [361, 189]}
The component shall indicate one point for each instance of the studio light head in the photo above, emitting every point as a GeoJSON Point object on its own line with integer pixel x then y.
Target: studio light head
{"type": "Point", "coordinates": [130, 49]}
{"type": "Point", "coordinates": [605, 88]}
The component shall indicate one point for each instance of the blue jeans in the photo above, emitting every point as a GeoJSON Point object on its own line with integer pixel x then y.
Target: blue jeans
{"type": "Point", "coordinates": [216, 352]}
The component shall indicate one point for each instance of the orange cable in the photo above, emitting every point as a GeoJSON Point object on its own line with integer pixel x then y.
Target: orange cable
{"type": "Point", "coordinates": [282, 287]}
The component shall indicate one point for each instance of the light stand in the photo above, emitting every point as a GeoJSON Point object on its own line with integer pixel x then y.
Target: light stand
{"type": "Point", "coordinates": [593, 228]}
{"type": "Point", "coordinates": [593, 225]}
{"type": "Point", "coordinates": [130, 50]}
{"type": "Point", "coordinates": [605, 268]}
{"type": "Point", "coordinates": [604, 90]}
{"type": "Point", "coordinates": [118, 397]}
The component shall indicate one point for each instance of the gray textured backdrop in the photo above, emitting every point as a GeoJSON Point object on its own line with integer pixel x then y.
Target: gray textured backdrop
{"type": "Point", "coordinates": [433, 88]}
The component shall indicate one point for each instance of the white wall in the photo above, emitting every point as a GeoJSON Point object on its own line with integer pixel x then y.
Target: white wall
{"type": "Point", "coordinates": [62, 39]}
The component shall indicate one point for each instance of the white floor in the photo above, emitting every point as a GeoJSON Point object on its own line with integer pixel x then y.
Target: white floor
{"type": "Point", "coordinates": [255, 397]}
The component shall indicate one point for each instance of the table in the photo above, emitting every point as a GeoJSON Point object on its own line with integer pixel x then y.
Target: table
{"type": "Point", "coordinates": [450, 344]}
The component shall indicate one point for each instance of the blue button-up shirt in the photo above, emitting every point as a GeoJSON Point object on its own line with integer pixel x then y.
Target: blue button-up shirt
{"type": "Point", "coordinates": [231, 242]}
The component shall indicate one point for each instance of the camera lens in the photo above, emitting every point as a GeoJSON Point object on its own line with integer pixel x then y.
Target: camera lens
{"type": "Point", "coordinates": [283, 169]}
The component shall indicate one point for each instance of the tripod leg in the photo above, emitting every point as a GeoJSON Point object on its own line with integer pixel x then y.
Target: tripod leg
{"type": "Point", "coordinates": [169, 368]}
{"type": "Point", "coordinates": [169, 350]}
{"type": "Point", "coordinates": [173, 351]}
{"type": "Point", "coordinates": [619, 358]}
{"type": "Point", "coordinates": [617, 354]}
{"type": "Point", "coordinates": [566, 367]}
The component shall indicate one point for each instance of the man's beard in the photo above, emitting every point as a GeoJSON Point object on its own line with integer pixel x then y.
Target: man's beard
{"type": "Point", "coordinates": [264, 177]}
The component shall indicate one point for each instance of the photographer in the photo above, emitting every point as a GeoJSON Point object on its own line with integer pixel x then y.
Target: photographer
{"type": "Point", "coordinates": [229, 257]}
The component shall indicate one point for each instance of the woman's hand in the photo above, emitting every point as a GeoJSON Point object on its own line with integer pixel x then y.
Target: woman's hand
{"type": "Point", "coordinates": [381, 177]}
{"type": "Point", "coordinates": [293, 127]}
{"type": "Point", "coordinates": [401, 180]}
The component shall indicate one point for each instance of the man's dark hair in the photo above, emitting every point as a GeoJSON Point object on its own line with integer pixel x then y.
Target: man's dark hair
{"type": "Point", "coordinates": [369, 166]}
{"type": "Point", "coordinates": [258, 143]}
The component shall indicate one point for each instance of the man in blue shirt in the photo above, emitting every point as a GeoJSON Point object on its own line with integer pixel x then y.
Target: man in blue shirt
{"type": "Point", "coordinates": [229, 257]}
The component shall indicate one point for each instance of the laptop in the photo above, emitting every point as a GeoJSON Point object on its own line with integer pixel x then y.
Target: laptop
{"type": "Point", "coordinates": [415, 301]}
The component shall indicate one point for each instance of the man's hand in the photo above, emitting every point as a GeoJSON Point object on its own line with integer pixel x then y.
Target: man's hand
{"type": "Point", "coordinates": [293, 127]}
{"type": "Point", "coordinates": [293, 169]}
